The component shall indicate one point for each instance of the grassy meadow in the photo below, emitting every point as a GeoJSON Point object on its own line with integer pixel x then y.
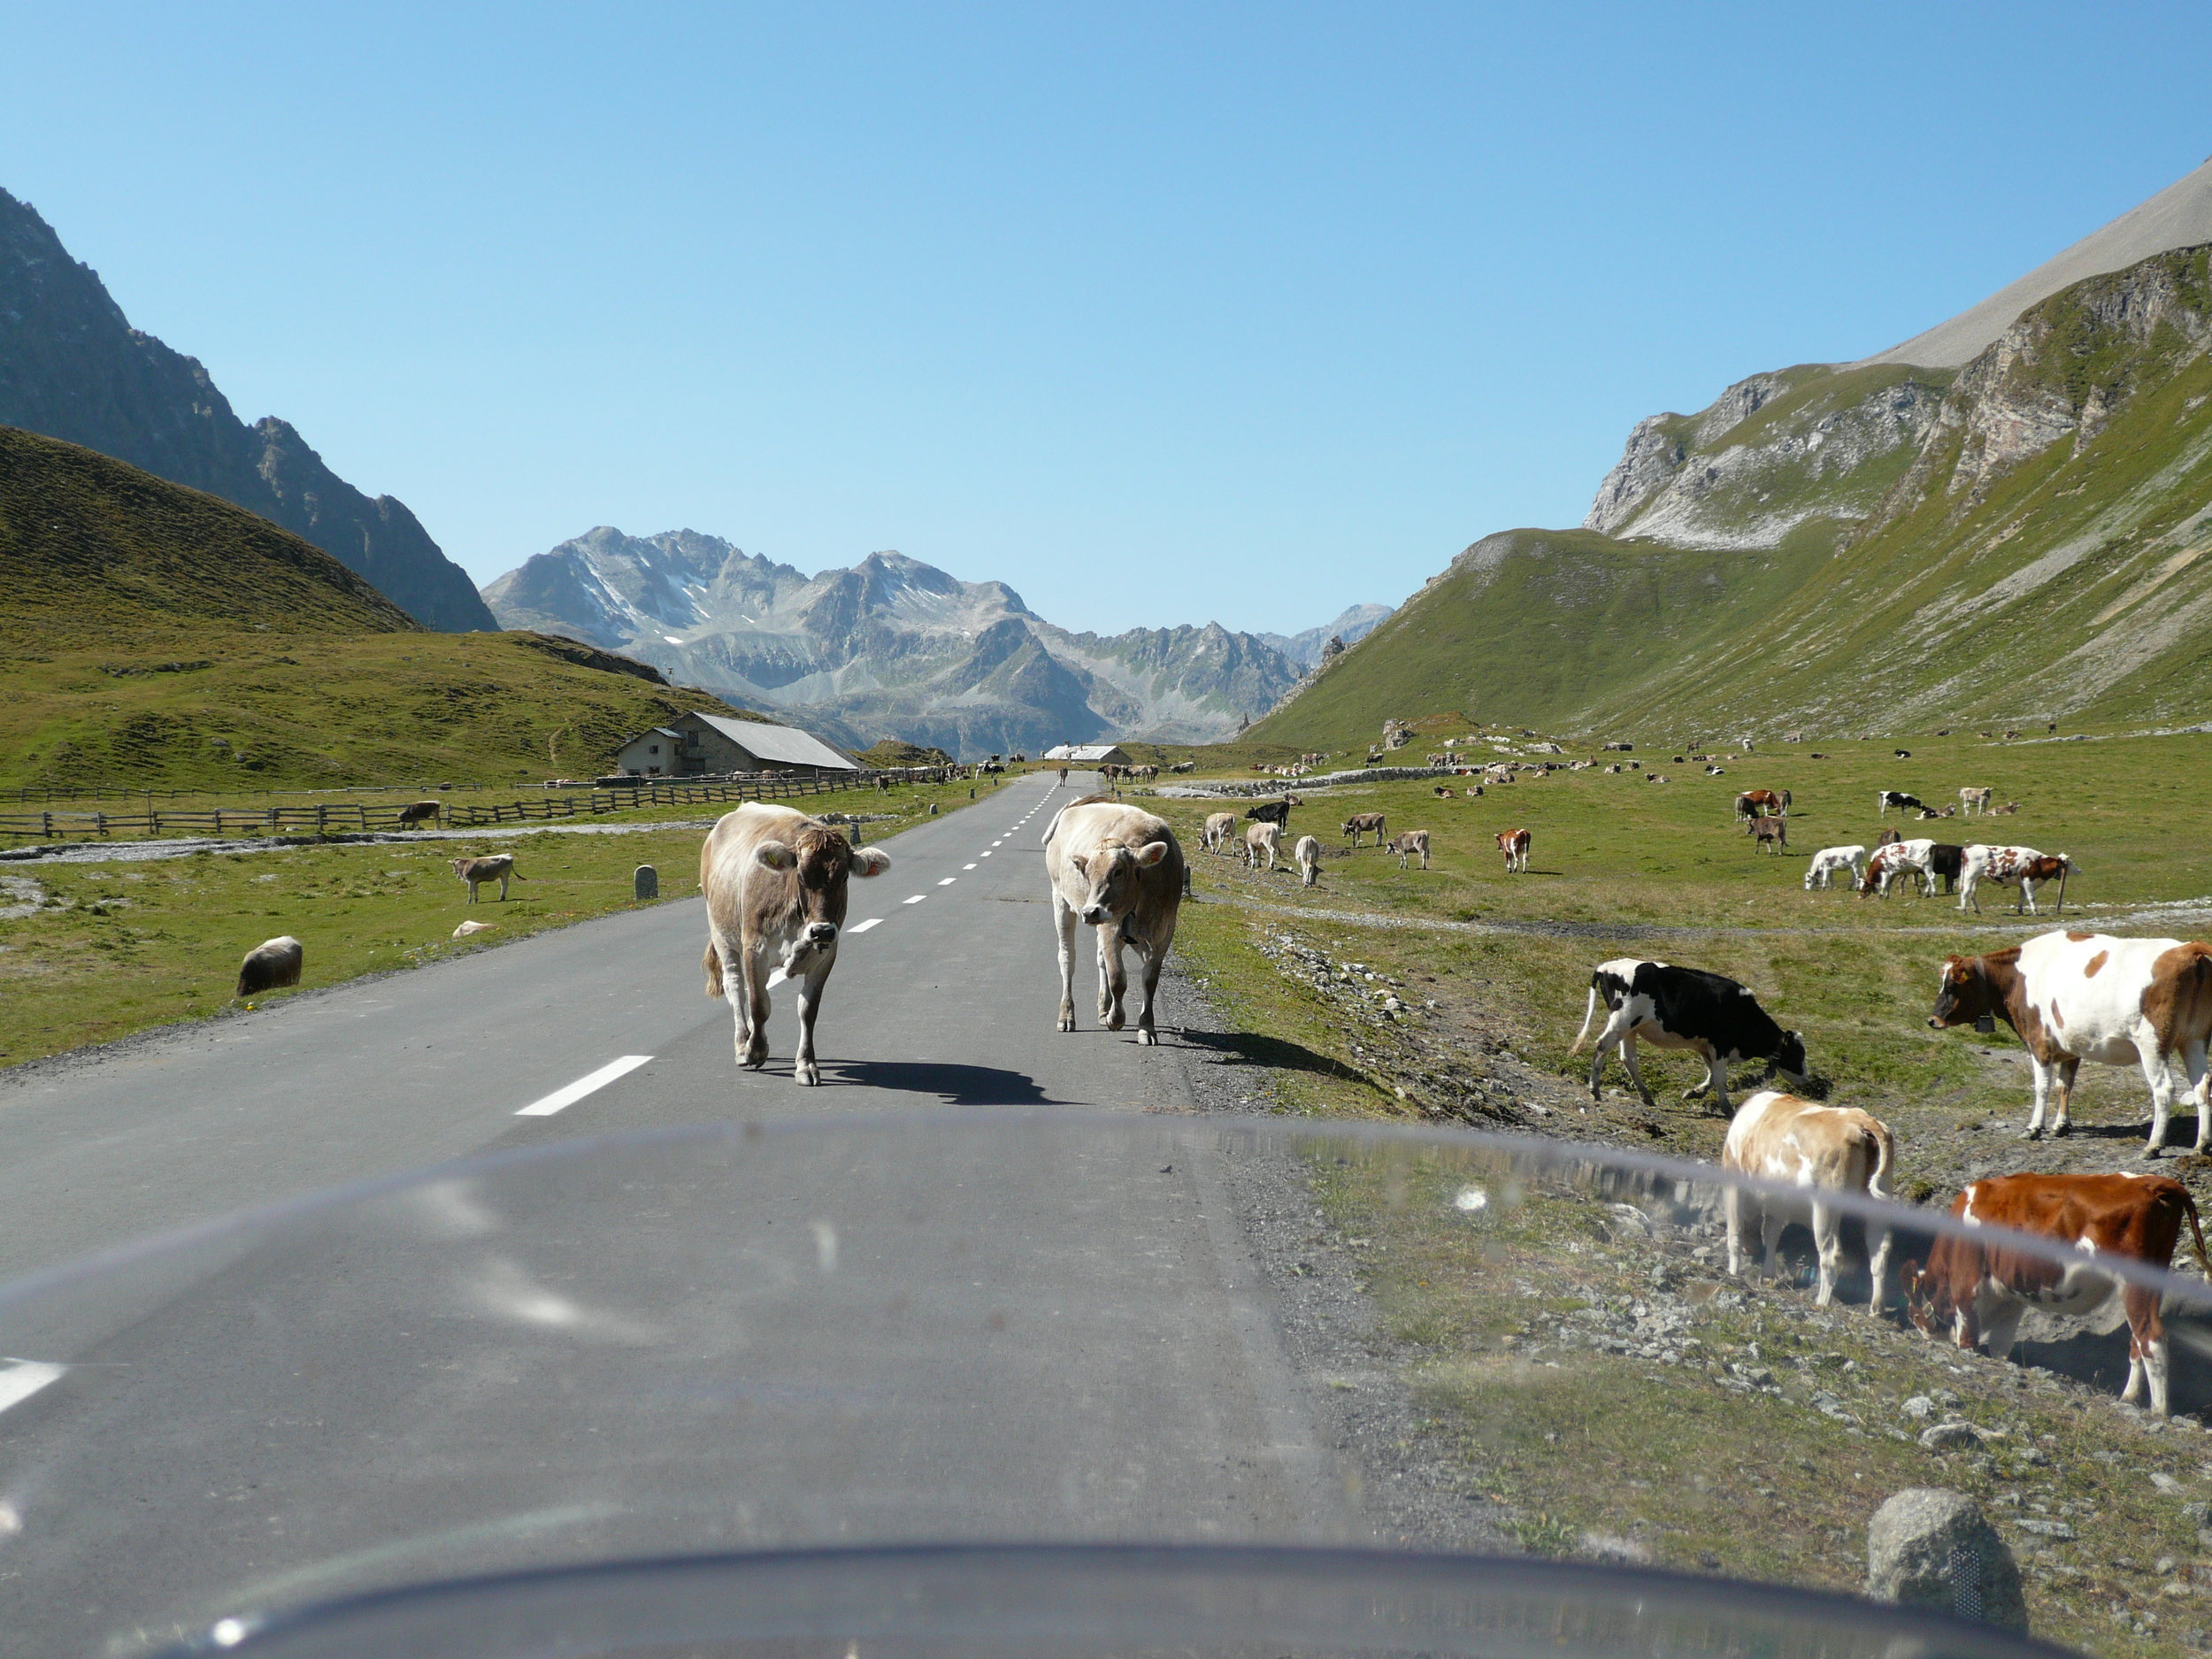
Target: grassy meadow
{"type": "Point", "coordinates": [1619, 1396]}
{"type": "Point", "coordinates": [91, 952]}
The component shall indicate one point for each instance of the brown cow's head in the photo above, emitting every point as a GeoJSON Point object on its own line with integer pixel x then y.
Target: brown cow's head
{"type": "Point", "coordinates": [1112, 874]}
{"type": "Point", "coordinates": [1929, 1300]}
{"type": "Point", "coordinates": [822, 862]}
{"type": "Point", "coordinates": [1964, 994]}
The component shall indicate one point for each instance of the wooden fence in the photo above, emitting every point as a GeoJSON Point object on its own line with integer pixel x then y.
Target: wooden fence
{"type": "Point", "coordinates": [357, 818]}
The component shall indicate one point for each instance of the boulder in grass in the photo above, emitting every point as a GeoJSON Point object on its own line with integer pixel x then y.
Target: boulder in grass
{"type": "Point", "coordinates": [1933, 1549]}
{"type": "Point", "coordinates": [272, 963]}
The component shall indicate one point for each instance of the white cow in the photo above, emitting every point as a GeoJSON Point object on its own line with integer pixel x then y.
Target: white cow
{"type": "Point", "coordinates": [1831, 861]}
{"type": "Point", "coordinates": [774, 880]}
{"type": "Point", "coordinates": [1263, 840]}
{"type": "Point", "coordinates": [1778, 1137]}
{"type": "Point", "coordinates": [2008, 865]}
{"type": "Point", "coordinates": [1308, 853]}
{"type": "Point", "coordinates": [2072, 998]}
{"type": "Point", "coordinates": [1120, 871]}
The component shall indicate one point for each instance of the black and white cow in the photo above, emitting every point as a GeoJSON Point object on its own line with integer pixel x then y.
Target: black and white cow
{"type": "Point", "coordinates": [1884, 799]}
{"type": "Point", "coordinates": [1718, 1019]}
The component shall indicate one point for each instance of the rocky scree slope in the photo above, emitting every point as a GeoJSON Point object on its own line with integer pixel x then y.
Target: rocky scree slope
{"type": "Point", "coordinates": [73, 367]}
{"type": "Point", "coordinates": [1843, 550]}
{"type": "Point", "coordinates": [891, 647]}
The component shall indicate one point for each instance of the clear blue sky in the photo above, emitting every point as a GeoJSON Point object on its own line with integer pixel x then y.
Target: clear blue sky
{"type": "Point", "coordinates": [1159, 313]}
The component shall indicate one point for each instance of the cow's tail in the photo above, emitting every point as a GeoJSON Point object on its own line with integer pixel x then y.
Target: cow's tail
{"type": "Point", "coordinates": [1885, 1159]}
{"type": "Point", "coordinates": [515, 873]}
{"type": "Point", "coordinates": [713, 965]}
{"type": "Point", "coordinates": [2196, 1233]}
{"type": "Point", "coordinates": [1588, 1014]}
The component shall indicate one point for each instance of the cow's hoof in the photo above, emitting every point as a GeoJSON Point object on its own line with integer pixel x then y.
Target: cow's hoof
{"type": "Point", "coordinates": [806, 1074]}
{"type": "Point", "coordinates": [2061, 1130]}
{"type": "Point", "coordinates": [2153, 1152]}
{"type": "Point", "coordinates": [1147, 1038]}
{"type": "Point", "coordinates": [1067, 1022]}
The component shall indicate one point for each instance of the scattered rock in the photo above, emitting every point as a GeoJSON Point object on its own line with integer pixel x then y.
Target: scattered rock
{"type": "Point", "coordinates": [1918, 1405]}
{"type": "Point", "coordinates": [1951, 1437]}
{"type": "Point", "coordinates": [1931, 1548]}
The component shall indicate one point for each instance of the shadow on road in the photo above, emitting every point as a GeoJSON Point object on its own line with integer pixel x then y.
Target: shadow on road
{"type": "Point", "coordinates": [1251, 1048]}
{"type": "Point", "coordinates": [956, 1084]}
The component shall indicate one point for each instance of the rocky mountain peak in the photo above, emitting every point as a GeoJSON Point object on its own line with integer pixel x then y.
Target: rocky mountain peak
{"type": "Point", "coordinates": [74, 368]}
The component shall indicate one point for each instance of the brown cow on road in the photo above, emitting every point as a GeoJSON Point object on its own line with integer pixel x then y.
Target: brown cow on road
{"type": "Point", "coordinates": [1980, 1288]}
{"type": "Point", "coordinates": [775, 885]}
{"type": "Point", "coordinates": [1118, 870]}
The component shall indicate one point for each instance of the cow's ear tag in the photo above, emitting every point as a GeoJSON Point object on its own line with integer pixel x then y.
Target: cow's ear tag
{"type": "Point", "coordinates": [1986, 1023]}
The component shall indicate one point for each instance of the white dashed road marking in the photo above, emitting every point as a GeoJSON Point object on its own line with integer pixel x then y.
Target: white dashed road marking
{"type": "Point", "coordinates": [967, 866]}
{"type": "Point", "coordinates": [947, 882]}
{"type": "Point", "coordinates": [861, 927]}
{"type": "Point", "coordinates": [24, 1378]}
{"type": "Point", "coordinates": [917, 898]}
{"type": "Point", "coordinates": [561, 1098]}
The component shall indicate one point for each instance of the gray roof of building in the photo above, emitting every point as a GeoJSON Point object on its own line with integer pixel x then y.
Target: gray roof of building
{"type": "Point", "coordinates": [785, 744]}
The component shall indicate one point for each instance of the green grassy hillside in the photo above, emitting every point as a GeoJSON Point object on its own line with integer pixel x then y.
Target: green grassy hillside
{"type": "Point", "coordinates": [89, 545]}
{"type": "Point", "coordinates": [154, 636]}
{"type": "Point", "coordinates": [2037, 552]}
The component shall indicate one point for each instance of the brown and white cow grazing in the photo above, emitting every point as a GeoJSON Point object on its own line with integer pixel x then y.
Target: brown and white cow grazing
{"type": "Point", "coordinates": [1762, 803]}
{"type": "Point", "coordinates": [1406, 843]}
{"type": "Point", "coordinates": [2073, 996]}
{"type": "Point", "coordinates": [1118, 870]}
{"type": "Point", "coordinates": [1515, 845]}
{"type": "Point", "coordinates": [1778, 1137]}
{"type": "Point", "coordinates": [1896, 859]}
{"type": "Point", "coordinates": [1262, 840]}
{"type": "Point", "coordinates": [479, 873]}
{"type": "Point", "coordinates": [775, 883]}
{"type": "Point", "coordinates": [2006, 865]}
{"type": "Point", "coordinates": [1360, 822]}
{"type": "Point", "coordinates": [1979, 1287]}
{"type": "Point", "coordinates": [1219, 827]}
{"type": "Point", "coordinates": [1768, 832]}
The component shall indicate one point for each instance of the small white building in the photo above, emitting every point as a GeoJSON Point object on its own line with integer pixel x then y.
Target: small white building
{"type": "Point", "coordinates": [1088, 755]}
{"type": "Point", "coordinates": [700, 745]}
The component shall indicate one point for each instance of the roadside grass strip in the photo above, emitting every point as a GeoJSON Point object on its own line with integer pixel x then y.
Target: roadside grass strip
{"type": "Point", "coordinates": [591, 1082]}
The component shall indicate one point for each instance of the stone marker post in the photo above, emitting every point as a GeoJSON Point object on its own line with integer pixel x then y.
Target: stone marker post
{"type": "Point", "coordinates": [646, 884]}
{"type": "Point", "coordinates": [1929, 1548]}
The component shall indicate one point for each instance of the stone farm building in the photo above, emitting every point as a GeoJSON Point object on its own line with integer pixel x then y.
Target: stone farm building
{"type": "Point", "coordinates": [698, 745]}
{"type": "Point", "coordinates": [1088, 753]}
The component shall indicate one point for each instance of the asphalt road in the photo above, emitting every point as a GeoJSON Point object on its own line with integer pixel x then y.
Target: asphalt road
{"type": "Point", "coordinates": [899, 1311]}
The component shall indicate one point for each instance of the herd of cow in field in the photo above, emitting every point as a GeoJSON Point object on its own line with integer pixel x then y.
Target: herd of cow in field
{"type": "Point", "coordinates": [775, 883]}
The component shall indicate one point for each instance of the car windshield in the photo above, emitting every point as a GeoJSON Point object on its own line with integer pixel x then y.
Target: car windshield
{"type": "Point", "coordinates": [986, 1379]}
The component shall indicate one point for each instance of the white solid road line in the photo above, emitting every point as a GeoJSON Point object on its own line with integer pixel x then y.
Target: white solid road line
{"type": "Point", "coordinates": [24, 1378]}
{"type": "Point", "coordinates": [917, 898]}
{"type": "Point", "coordinates": [561, 1098]}
{"type": "Point", "coordinates": [861, 927]}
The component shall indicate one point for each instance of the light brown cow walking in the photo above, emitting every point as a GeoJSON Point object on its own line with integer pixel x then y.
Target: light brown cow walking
{"type": "Point", "coordinates": [1262, 837]}
{"type": "Point", "coordinates": [775, 881]}
{"type": "Point", "coordinates": [479, 873]}
{"type": "Point", "coordinates": [1118, 870]}
{"type": "Point", "coordinates": [1780, 1137]}
{"type": "Point", "coordinates": [1408, 842]}
{"type": "Point", "coordinates": [1219, 827]}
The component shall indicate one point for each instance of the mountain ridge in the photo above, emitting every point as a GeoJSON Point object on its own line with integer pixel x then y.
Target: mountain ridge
{"type": "Point", "coordinates": [73, 367]}
{"type": "Point", "coordinates": [890, 647]}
